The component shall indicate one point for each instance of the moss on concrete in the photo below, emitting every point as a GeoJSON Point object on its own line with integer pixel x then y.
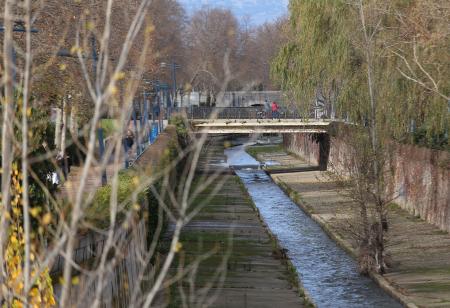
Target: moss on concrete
{"type": "Point", "coordinates": [229, 228]}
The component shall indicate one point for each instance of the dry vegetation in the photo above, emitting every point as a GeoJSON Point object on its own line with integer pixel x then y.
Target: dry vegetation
{"type": "Point", "coordinates": [87, 61]}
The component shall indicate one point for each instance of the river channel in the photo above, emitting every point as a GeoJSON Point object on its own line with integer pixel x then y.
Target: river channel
{"type": "Point", "coordinates": [327, 272]}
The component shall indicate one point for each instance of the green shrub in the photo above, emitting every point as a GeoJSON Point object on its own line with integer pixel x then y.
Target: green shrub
{"type": "Point", "coordinates": [128, 182]}
{"type": "Point", "coordinates": [181, 126]}
{"type": "Point", "coordinates": [99, 210]}
{"type": "Point", "coordinates": [424, 138]}
{"type": "Point", "coordinates": [110, 126]}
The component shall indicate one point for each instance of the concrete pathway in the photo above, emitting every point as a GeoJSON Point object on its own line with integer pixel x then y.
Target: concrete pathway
{"type": "Point", "coordinates": [420, 252]}
{"type": "Point", "coordinates": [70, 187]}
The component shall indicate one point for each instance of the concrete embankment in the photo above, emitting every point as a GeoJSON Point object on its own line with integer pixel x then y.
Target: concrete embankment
{"type": "Point", "coordinates": [418, 178]}
{"type": "Point", "coordinates": [124, 275]}
{"type": "Point", "coordinates": [232, 259]}
{"type": "Point", "coordinates": [419, 273]}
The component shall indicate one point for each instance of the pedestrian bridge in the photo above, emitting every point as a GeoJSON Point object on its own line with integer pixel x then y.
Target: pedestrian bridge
{"type": "Point", "coordinates": [260, 126]}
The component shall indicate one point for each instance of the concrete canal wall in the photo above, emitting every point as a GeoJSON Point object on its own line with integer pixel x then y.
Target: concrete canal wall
{"type": "Point", "coordinates": [419, 253]}
{"type": "Point", "coordinates": [419, 177]}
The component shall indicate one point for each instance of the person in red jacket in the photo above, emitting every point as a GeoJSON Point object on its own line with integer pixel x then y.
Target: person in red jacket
{"type": "Point", "coordinates": [275, 113]}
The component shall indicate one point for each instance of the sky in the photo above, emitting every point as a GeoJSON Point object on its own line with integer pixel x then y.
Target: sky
{"type": "Point", "coordinates": [259, 11]}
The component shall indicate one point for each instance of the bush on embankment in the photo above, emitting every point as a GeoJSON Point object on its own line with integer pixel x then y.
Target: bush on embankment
{"type": "Point", "coordinates": [181, 127]}
{"type": "Point", "coordinates": [128, 183]}
{"type": "Point", "coordinates": [131, 195]}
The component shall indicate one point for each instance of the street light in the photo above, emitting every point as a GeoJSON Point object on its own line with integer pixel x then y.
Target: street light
{"type": "Point", "coordinates": [144, 118]}
{"type": "Point", "coordinates": [155, 85]}
{"type": "Point", "coordinates": [18, 27]}
{"type": "Point", "coordinates": [66, 53]}
{"type": "Point", "coordinates": [158, 86]}
{"type": "Point", "coordinates": [164, 87]}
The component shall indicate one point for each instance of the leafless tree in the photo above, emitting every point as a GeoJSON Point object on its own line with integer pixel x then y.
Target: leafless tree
{"type": "Point", "coordinates": [123, 34]}
{"type": "Point", "coordinates": [266, 40]}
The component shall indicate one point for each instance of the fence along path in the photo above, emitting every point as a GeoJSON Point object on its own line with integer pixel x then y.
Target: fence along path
{"type": "Point", "coordinates": [69, 188]}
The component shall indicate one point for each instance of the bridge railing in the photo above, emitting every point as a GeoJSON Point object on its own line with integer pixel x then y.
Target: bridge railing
{"type": "Point", "coordinates": [203, 113]}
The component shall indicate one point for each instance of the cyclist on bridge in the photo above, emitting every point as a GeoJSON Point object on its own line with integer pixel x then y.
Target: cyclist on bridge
{"type": "Point", "coordinates": [275, 113]}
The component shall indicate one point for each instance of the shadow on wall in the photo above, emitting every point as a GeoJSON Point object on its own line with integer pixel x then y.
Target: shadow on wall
{"type": "Point", "coordinates": [313, 148]}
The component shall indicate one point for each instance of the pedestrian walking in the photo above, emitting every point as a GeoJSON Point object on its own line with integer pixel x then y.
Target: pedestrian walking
{"type": "Point", "coordinates": [156, 110]}
{"type": "Point", "coordinates": [266, 108]}
{"type": "Point", "coordinates": [129, 141]}
{"type": "Point", "coordinates": [60, 168]}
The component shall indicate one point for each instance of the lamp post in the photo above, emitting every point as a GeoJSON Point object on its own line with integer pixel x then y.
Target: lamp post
{"type": "Point", "coordinates": [164, 87]}
{"type": "Point", "coordinates": [66, 53]}
{"type": "Point", "coordinates": [155, 84]}
{"type": "Point", "coordinates": [101, 141]}
{"type": "Point", "coordinates": [160, 87]}
{"type": "Point", "coordinates": [146, 111]}
{"type": "Point", "coordinates": [19, 27]}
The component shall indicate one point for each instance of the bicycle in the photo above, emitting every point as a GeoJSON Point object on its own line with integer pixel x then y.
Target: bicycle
{"type": "Point", "coordinates": [261, 115]}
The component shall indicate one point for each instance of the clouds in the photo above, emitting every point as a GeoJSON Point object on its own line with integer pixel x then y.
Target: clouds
{"type": "Point", "coordinates": [259, 11]}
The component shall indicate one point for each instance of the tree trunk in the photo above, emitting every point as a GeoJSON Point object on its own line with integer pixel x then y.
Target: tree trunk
{"type": "Point", "coordinates": [63, 126]}
{"type": "Point", "coordinates": [208, 98]}
{"type": "Point", "coordinates": [63, 137]}
{"type": "Point", "coordinates": [58, 128]}
{"type": "Point", "coordinates": [7, 127]}
{"type": "Point", "coordinates": [73, 126]}
{"type": "Point", "coordinates": [365, 255]}
{"type": "Point", "coordinates": [374, 141]}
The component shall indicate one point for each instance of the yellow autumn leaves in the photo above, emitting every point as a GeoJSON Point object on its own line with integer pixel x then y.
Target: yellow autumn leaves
{"type": "Point", "coordinates": [41, 292]}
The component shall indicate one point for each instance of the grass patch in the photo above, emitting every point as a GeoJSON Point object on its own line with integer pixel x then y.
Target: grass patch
{"type": "Point", "coordinates": [394, 207]}
{"type": "Point", "coordinates": [445, 270]}
{"type": "Point", "coordinates": [255, 150]}
{"type": "Point", "coordinates": [439, 232]}
{"type": "Point", "coordinates": [433, 287]}
{"type": "Point", "coordinates": [110, 126]}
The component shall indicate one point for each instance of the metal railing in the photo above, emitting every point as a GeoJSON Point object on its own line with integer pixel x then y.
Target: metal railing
{"type": "Point", "coordinates": [200, 113]}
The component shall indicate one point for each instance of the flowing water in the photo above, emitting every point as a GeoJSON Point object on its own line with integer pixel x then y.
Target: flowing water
{"type": "Point", "coordinates": [327, 272]}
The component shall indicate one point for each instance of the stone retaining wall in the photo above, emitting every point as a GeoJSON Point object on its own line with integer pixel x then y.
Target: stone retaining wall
{"type": "Point", "coordinates": [420, 176]}
{"type": "Point", "coordinates": [123, 278]}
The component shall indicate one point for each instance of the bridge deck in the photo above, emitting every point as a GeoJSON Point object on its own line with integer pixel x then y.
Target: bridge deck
{"type": "Point", "coordinates": [250, 126]}
{"type": "Point", "coordinates": [255, 122]}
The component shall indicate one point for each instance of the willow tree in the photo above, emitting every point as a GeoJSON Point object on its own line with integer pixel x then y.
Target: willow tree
{"type": "Point", "coordinates": [318, 61]}
{"type": "Point", "coordinates": [363, 60]}
{"type": "Point", "coordinates": [325, 60]}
